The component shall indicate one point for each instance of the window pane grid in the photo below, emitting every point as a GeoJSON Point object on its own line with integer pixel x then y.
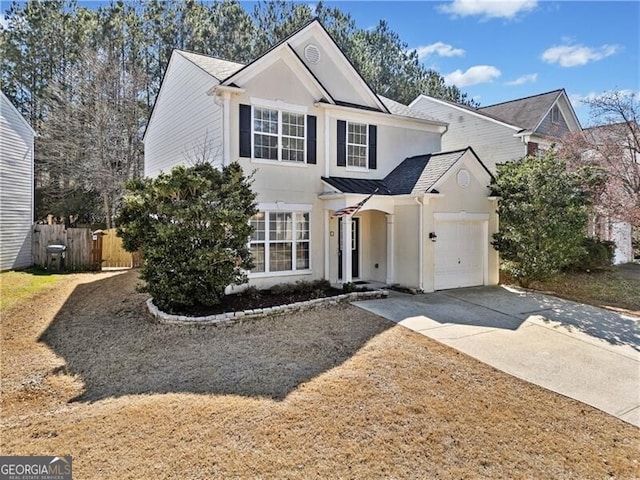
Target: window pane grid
{"type": "Point", "coordinates": [357, 145]}
{"type": "Point", "coordinates": [278, 135]}
{"type": "Point", "coordinates": [280, 242]}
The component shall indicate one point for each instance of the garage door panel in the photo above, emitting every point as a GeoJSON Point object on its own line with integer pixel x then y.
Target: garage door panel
{"type": "Point", "coordinates": [459, 254]}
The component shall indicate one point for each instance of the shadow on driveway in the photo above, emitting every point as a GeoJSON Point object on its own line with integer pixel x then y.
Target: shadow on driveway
{"type": "Point", "coordinates": [612, 327]}
{"type": "Point", "coordinates": [106, 337]}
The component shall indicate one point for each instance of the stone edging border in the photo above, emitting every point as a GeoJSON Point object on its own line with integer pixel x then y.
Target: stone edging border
{"type": "Point", "coordinates": [231, 318]}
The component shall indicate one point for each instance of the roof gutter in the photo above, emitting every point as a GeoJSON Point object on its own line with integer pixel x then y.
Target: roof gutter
{"type": "Point", "coordinates": [443, 125]}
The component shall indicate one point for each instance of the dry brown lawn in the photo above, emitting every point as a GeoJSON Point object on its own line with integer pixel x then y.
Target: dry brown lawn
{"type": "Point", "coordinates": [331, 393]}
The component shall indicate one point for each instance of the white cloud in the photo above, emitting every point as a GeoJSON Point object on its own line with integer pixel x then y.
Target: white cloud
{"type": "Point", "coordinates": [439, 48]}
{"type": "Point", "coordinates": [488, 9]}
{"type": "Point", "coordinates": [531, 78]}
{"type": "Point", "coordinates": [3, 21]}
{"type": "Point", "coordinates": [578, 100]}
{"type": "Point", "coordinates": [474, 75]}
{"type": "Point", "coordinates": [577, 55]}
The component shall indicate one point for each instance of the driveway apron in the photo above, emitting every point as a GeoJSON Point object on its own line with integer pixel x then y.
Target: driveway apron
{"type": "Point", "coordinates": [583, 352]}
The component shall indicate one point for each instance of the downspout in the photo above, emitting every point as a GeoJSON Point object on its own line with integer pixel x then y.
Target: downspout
{"type": "Point", "coordinates": [420, 245]}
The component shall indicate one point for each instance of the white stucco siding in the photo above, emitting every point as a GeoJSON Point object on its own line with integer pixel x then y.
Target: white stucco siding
{"type": "Point", "coordinates": [394, 143]}
{"type": "Point", "coordinates": [493, 142]}
{"type": "Point", "coordinates": [406, 245]}
{"type": "Point", "coordinates": [471, 200]}
{"type": "Point", "coordinates": [340, 80]}
{"type": "Point", "coordinates": [279, 180]}
{"type": "Point", "coordinates": [16, 189]}
{"type": "Point", "coordinates": [373, 245]}
{"type": "Point", "coordinates": [185, 120]}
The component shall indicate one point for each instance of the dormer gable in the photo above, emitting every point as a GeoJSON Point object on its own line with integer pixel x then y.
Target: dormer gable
{"type": "Point", "coordinates": [321, 63]}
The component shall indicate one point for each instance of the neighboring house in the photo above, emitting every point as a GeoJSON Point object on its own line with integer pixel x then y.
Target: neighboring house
{"type": "Point", "coordinates": [613, 141]}
{"type": "Point", "coordinates": [510, 130]}
{"type": "Point", "coordinates": [506, 131]}
{"type": "Point", "coordinates": [319, 140]}
{"type": "Point", "coordinates": [16, 187]}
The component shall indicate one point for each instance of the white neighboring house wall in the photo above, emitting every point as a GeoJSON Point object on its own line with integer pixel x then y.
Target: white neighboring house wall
{"type": "Point", "coordinates": [16, 187]}
{"type": "Point", "coordinates": [621, 234]}
{"type": "Point", "coordinates": [185, 122]}
{"type": "Point", "coordinates": [493, 141]}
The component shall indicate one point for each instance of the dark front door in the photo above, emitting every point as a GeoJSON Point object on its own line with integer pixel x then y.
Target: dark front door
{"type": "Point", "coordinates": [355, 252]}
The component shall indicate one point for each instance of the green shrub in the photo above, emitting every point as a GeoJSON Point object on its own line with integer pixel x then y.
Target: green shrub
{"type": "Point", "coordinates": [192, 226]}
{"type": "Point", "coordinates": [598, 255]}
{"type": "Point", "coordinates": [542, 213]}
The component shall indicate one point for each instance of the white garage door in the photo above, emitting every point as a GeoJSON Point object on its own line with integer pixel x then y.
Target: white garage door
{"type": "Point", "coordinates": [459, 254]}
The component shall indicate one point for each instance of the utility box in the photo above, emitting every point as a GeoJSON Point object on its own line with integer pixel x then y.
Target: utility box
{"type": "Point", "coordinates": [55, 257]}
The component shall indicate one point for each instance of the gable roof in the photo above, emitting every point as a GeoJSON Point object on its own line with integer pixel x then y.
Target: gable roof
{"type": "Point", "coordinates": [397, 108]}
{"type": "Point", "coordinates": [415, 175]}
{"type": "Point", "coordinates": [464, 108]}
{"type": "Point", "coordinates": [316, 25]}
{"type": "Point", "coordinates": [527, 112]}
{"type": "Point", "coordinates": [216, 67]}
{"type": "Point", "coordinates": [419, 174]}
{"type": "Point", "coordinates": [16, 112]}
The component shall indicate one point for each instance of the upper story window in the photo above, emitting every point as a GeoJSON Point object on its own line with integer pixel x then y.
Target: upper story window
{"type": "Point", "coordinates": [555, 114]}
{"type": "Point", "coordinates": [276, 131]}
{"type": "Point", "coordinates": [357, 143]}
{"type": "Point", "coordinates": [278, 135]}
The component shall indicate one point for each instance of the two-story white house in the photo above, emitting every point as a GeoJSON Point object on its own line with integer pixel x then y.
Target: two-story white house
{"type": "Point", "coordinates": [506, 131]}
{"type": "Point", "coordinates": [320, 139]}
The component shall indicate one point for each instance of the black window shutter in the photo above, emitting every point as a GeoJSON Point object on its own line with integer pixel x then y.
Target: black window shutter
{"type": "Point", "coordinates": [373, 140]}
{"type": "Point", "coordinates": [342, 143]}
{"type": "Point", "coordinates": [311, 139]}
{"type": "Point", "coordinates": [245, 131]}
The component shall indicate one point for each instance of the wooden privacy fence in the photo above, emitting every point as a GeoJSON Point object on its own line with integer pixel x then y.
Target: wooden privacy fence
{"type": "Point", "coordinates": [86, 250]}
{"type": "Point", "coordinates": [113, 253]}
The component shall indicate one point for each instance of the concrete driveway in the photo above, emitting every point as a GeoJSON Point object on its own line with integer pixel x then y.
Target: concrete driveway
{"type": "Point", "coordinates": [583, 352]}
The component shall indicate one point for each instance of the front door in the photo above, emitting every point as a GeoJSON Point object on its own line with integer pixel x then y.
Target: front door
{"type": "Point", "coordinates": [355, 251]}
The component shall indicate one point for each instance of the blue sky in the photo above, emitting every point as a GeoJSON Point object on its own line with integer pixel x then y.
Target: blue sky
{"type": "Point", "coordinates": [500, 50]}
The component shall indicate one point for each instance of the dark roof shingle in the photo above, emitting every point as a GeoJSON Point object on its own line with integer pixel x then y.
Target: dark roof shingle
{"type": "Point", "coordinates": [414, 175]}
{"type": "Point", "coordinates": [526, 112]}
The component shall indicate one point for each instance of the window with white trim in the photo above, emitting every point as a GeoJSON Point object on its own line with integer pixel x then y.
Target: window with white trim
{"type": "Point", "coordinates": [555, 114]}
{"type": "Point", "coordinates": [278, 135]}
{"type": "Point", "coordinates": [280, 242]}
{"type": "Point", "coordinates": [357, 143]}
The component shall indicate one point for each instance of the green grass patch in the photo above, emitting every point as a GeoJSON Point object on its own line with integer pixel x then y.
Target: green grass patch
{"type": "Point", "coordinates": [607, 288]}
{"type": "Point", "coordinates": [18, 286]}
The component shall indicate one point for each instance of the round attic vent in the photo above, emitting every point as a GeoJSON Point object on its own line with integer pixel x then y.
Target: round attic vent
{"type": "Point", "coordinates": [312, 53]}
{"type": "Point", "coordinates": [463, 178]}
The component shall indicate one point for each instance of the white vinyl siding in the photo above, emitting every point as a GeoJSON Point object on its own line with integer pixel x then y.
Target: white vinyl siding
{"type": "Point", "coordinates": [16, 189]}
{"type": "Point", "coordinates": [493, 143]}
{"type": "Point", "coordinates": [186, 123]}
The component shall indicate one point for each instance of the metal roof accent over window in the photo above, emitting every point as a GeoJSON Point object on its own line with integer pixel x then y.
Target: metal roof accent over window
{"type": "Point", "coordinates": [312, 53]}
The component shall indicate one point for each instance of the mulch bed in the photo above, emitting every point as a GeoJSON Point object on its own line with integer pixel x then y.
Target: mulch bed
{"type": "Point", "coordinates": [256, 299]}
